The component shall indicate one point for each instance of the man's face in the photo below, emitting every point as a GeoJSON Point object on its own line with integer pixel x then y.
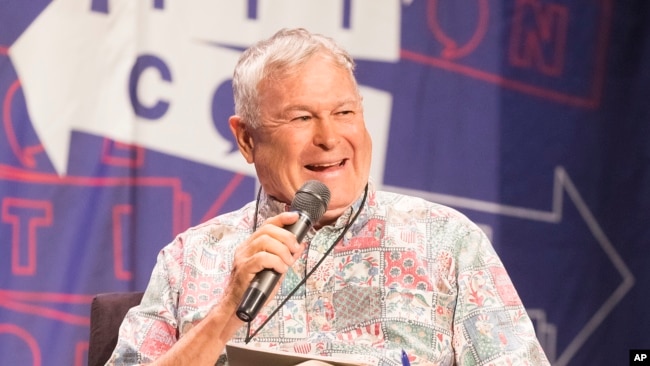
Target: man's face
{"type": "Point", "coordinates": [312, 127]}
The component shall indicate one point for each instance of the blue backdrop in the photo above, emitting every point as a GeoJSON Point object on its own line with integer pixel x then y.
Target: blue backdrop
{"type": "Point", "coordinates": [530, 116]}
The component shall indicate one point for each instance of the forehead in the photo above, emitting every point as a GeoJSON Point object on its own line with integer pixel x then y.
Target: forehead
{"type": "Point", "coordinates": [319, 77]}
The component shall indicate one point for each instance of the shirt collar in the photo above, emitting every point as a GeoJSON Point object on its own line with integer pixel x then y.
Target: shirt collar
{"type": "Point", "coordinates": [270, 206]}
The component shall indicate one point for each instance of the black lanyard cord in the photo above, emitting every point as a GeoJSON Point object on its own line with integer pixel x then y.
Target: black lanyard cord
{"type": "Point", "coordinates": [304, 280]}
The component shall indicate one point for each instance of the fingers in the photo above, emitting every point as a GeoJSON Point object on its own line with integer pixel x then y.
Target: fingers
{"type": "Point", "coordinates": [270, 246]}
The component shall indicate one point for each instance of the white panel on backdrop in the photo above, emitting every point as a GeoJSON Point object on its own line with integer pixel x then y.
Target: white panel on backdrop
{"type": "Point", "coordinates": [91, 58]}
{"type": "Point", "coordinates": [373, 31]}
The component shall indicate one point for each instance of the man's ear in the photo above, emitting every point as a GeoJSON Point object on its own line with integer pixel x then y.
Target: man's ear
{"type": "Point", "coordinates": [243, 137]}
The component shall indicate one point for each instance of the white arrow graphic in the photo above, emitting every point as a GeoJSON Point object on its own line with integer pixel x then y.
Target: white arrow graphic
{"type": "Point", "coordinates": [74, 66]}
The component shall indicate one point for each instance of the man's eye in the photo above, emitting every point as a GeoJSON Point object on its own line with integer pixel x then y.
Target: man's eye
{"type": "Point", "coordinates": [345, 113]}
{"type": "Point", "coordinates": [301, 118]}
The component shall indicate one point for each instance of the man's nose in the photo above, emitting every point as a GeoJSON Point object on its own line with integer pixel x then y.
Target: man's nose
{"type": "Point", "coordinates": [325, 134]}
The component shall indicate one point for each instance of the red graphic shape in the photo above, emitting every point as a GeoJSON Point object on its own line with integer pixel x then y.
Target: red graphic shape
{"type": "Point", "coordinates": [121, 154]}
{"type": "Point", "coordinates": [44, 305]}
{"type": "Point", "coordinates": [590, 99]}
{"type": "Point", "coordinates": [451, 49]}
{"type": "Point", "coordinates": [29, 303]}
{"type": "Point", "coordinates": [81, 354]}
{"type": "Point", "coordinates": [542, 47]}
{"type": "Point", "coordinates": [24, 214]}
{"type": "Point", "coordinates": [24, 155]}
{"type": "Point", "coordinates": [181, 201]}
{"type": "Point", "coordinates": [223, 197]}
{"type": "Point", "coordinates": [25, 337]}
{"type": "Point", "coordinates": [119, 232]}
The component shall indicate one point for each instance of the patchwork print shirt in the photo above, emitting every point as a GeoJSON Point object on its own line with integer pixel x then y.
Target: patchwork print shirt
{"type": "Point", "coordinates": [408, 275]}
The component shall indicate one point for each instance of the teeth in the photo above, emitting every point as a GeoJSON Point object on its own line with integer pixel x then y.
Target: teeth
{"type": "Point", "coordinates": [325, 166]}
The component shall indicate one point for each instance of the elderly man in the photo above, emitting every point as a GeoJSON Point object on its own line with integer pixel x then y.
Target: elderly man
{"type": "Point", "coordinates": [378, 274]}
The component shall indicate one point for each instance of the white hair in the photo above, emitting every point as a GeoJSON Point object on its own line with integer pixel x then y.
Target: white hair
{"type": "Point", "coordinates": [277, 56]}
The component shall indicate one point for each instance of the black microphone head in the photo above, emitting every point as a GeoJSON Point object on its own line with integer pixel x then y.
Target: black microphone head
{"type": "Point", "coordinates": [312, 199]}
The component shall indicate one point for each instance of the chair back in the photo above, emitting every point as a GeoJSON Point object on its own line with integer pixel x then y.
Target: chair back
{"type": "Point", "coordinates": [106, 314]}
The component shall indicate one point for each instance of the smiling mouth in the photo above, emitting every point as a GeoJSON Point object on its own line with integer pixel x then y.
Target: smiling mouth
{"type": "Point", "coordinates": [324, 167]}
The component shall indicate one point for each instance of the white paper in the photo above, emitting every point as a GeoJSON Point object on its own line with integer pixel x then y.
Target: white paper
{"type": "Point", "coordinates": [240, 354]}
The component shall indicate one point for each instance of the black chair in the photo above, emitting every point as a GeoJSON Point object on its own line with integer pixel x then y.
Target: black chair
{"type": "Point", "coordinates": [106, 314]}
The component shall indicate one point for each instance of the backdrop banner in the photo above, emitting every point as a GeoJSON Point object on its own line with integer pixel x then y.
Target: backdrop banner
{"type": "Point", "coordinates": [531, 117]}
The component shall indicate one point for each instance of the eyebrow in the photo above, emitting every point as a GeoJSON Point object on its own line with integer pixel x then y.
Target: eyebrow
{"type": "Point", "coordinates": [303, 107]}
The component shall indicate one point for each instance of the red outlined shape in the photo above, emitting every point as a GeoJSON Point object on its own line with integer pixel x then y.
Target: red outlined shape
{"type": "Point", "coordinates": [29, 303]}
{"type": "Point", "coordinates": [223, 197]}
{"type": "Point", "coordinates": [135, 154]}
{"type": "Point", "coordinates": [181, 201]}
{"type": "Point", "coordinates": [40, 303]}
{"type": "Point", "coordinates": [33, 223]}
{"type": "Point", "coordinates": [25, 155]}
{"type": "Point", "coordinates": [120, 211]}
{"type": "Point", "coordinates": [26, 337]}
{"type": "Point", "coordinates": [81, 353]}
{"type": "Point", "coordinates": [451, 49]}
{"type": "Point", "coordinates": [590, 100]}
{"type": "Point", "coordinates": [526, 48]}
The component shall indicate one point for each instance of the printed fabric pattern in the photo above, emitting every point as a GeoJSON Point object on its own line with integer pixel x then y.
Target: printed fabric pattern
{"type": "Point", "coordinates": [409, 274]}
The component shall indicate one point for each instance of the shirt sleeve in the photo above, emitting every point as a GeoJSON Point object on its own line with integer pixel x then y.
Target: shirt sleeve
{"type": "Point", "coordinates": [150, 329]}
{"type": "Point", "coordinates": [491, 325]}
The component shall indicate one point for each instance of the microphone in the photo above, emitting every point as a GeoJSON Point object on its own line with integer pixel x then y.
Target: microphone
{"type": "Point", "coordinates": [310, 202]}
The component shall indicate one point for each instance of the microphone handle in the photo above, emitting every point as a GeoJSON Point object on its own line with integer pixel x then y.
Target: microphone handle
{"type": "Point", "coordinates": [255, 296]}
{"type": "Point", "coordinates": [265, 281]}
